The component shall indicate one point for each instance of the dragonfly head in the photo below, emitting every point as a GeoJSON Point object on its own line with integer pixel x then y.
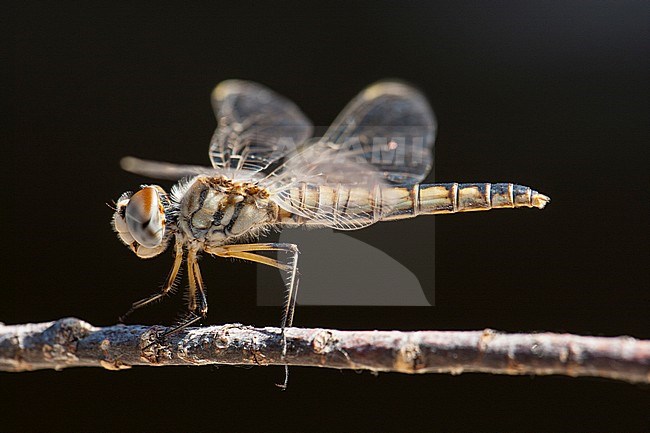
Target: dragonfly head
{"type": "Point", "coordinates": [140, 221]}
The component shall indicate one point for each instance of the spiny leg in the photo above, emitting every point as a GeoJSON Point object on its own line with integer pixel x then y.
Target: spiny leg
{"type": "Point", "coordinates": [193, 303]}
{"type": "Point", "coordinates": [191, 276]}
{"type": "Point", "coordinates": [202, 299]}
{"type": "Point", "coordinates": [289, 308]}
{"type": "Point", "coordinates": [167, 288]}
{"type": "Point", "coordinates": [243, 251]}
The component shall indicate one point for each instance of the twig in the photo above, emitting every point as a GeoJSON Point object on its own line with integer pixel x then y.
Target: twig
{"type": "Point", "coordinates": [74, 343]}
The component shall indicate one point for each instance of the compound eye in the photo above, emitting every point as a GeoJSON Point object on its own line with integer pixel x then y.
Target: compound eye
{"type": "Point", "coordinates": [145, 217]}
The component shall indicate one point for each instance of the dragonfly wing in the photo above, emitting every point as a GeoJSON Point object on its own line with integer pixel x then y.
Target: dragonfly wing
{"type": "Point", "coordinates": [391, 125]}
{"type": "Point", "coordinates": [164, 170]}
{"type": "Point", "coordinates": [326, 171]}
{"type": "Point", "coordinates": [256, 126]}
{"type": "Point", "coordinates": [384, 136]}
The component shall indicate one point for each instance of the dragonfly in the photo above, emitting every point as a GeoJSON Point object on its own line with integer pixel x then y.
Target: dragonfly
{"type": "Point", "coordinates": [269, 173]}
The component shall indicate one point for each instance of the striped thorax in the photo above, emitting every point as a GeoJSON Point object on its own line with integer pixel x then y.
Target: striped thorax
{"type": "Point", "coordinates": [216, 210]}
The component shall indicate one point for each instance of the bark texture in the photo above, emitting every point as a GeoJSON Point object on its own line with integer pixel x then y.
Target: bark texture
{"type": "Point", "coordinates": [71, 342]}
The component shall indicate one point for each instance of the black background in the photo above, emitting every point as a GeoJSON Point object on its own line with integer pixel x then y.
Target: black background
{"type": "Point", "coordinates": [549, 94]}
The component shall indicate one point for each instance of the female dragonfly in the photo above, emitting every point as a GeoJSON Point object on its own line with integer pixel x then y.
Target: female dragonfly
{"type": "Point", "coordinates": [267, 173]}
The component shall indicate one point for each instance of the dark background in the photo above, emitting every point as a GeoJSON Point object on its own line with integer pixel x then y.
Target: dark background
{"type": "Point", "coordinates": [549, 94]}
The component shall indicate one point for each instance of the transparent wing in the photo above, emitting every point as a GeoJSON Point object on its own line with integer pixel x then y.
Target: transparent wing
{"type": "Point", "coordinates": [325, 172]}
{"type": "Point", "coordinates": [385, 135]}
{"type": "Point", "coordinates": [256, 126]}
{"type": "Point", "coordinates": [164, 170]}
{"type": "Point", "coordinates": [390, 125]}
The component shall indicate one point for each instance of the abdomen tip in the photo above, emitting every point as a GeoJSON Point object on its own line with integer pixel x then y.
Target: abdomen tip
{"type": "Point", "coordinates": [539, 200]}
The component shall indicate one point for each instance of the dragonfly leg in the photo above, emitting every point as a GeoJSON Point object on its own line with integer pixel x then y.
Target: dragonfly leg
{"type": "Point", "coordinates": [167, 288]}
{"type": "Point", "coordinates": [197, 302]}
{"type": "Point", "coordinates": [190, 320]}
{"type": "Point", "coordinates": [289, 265]}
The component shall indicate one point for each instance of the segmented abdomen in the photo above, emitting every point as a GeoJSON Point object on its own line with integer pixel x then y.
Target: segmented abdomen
{"type": "Point", "coordinates": [361, 206]}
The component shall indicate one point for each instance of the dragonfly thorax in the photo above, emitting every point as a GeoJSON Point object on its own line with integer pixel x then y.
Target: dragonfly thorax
{"type": "Point", "coordinates": [216, 210]}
